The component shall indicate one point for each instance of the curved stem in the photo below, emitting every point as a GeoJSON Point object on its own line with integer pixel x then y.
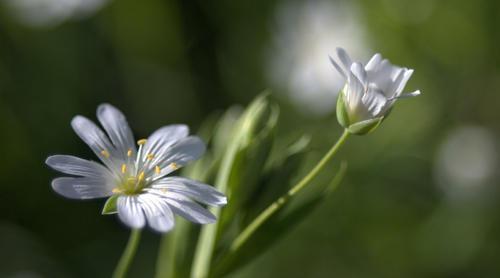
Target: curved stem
{"type": "Point", "coordinates": [128, 254]}
{"type": "Point", "coordinates": [269, 211]}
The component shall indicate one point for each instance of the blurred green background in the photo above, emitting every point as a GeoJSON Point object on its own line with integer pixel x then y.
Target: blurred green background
{"type": "Point", "coordinates": [421, 195]}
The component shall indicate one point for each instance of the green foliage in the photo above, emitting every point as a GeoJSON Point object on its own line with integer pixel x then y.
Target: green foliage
{"type": "Point", "coordinates": [242, 165]}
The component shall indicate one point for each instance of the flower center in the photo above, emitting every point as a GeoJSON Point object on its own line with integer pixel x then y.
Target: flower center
{"type": "Point", "coordinates": [137, 171]}
{"type": "Point", "coordinates": [131, 185]}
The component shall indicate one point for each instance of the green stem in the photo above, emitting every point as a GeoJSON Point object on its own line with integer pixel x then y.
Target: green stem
{"type": "Point", "coordinates": [274, 207]}
{"type": "Point", "coordinates": [206, 240]}
{"type": "Point", "coordinates": [165, 255]}
{"type": "Point", "coordinates": [128, 254]}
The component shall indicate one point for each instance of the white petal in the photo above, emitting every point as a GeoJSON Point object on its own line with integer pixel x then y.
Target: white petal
{"type": "Point", "coordinates": [188, 209]}
{"type": "Point", "coordinates": [95, 138]}
{"type": "Point", "coordinates": [358, 71]}
{"type": "Point", "coordinates": [82, 188]}
{"type": "Point", "coordinates": [73, 165]}
{"type": "Point", "coordinates": [401, 85]}
{"type": "Point", "coordinates": [384, 76]}
{"type": "Point", "coordinates": [375, 101]}
{"type": "Point", "coordinates": [178, 155]}
{"type": "Point", "coordinates": [344, 58]}
{"type": "Point", "coordinates": [165, 137]}
{"type": "Point", "coordinates": [157, 212]}
{"type": "Point", "coordinates": [353, 92]}
{"type": "Point", "coordinates": [117, 128]}
{"type": "Point", "coordinates": [409, 95]}
{"type": "Point", "coordinates": [130, 211]}
{"type": "Point", "coordinates": [338, 67]}
{"type": "Point", "coordinates": [198, 191]}
{"type": "Point", "coordinates": [392, 91]}
{"type": "Point", "coordinates": [374, 62]}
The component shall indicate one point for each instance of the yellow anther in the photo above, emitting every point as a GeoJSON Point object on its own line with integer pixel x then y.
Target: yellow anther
{"type": "Point", "coordinates": [105, 153]}
{"type": "Point", "coordinates": [141, 142]}
{"type": "Point", "coordinates": [174, 165]}
{"type": "Point", "coordinates": [157, 170]}
{"type": "Point", "coordinates": [141, 176]}
{"type": "Point", "coordinates": [116, 190]}
{"type": "Point", "coordinates": [124, 168]}
{"type": "Point", "coordinates": [129, 153]}
{"type": "Point", "coordinates": [150, 156]}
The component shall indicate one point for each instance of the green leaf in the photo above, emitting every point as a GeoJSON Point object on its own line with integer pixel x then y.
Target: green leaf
{"type": "Point", "coordinates": [256, 133]}
{"type": "Point", "coordinates": [278, 179]}
{"type": "Point", "coordinates": [248, 129]}
{"type": "Point", "coordinates": [364, 127]}
{"type": "Point", "coordinates": [110, 205]}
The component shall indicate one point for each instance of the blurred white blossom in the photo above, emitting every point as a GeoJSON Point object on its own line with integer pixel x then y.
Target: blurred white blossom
{"type": "Point", "coordinates": [41, 13]}
{"type": "Point", "coordinates": [466, 159]}
{"type": "Point", "coordinates": [306, 33]}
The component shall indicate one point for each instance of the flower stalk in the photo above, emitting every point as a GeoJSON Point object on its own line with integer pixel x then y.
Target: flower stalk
{"type": "Point", "coordinates": [128, 254]}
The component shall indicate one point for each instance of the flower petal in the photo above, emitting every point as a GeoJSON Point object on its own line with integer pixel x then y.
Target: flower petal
{"type": "Point", "coordinates": [358, 71]}
{"type": "Point", "coordinates": [392, 92]}
{"type": "Point", "coordinates": [95, 138]}
{"type": "Point", "coordinates": [344, 58]}
{"type": "Point", "coordinates": [73, 165]}
{"type": "Point", "coordinates": [82, 188]}
{"type": "Point", "coordinates": [401, 85]}
{"type": "Point", "coordinates": [375, 102]}
{"type": "Point", "coordinates": [188, 209]}
{"type": "Point", "coordinates": [165, 137]}
{"type": "Point", "coordinates": [338, 67]}
{"type": "Point", "coordinates": [130, 211]}
{"type": "Point", "coordinates": [158, 212]}
{"type": "Point", "coordinates": [384, 76]}
{"type": "Point", "coordinates": [117, 128]}
{"type": "Point", "coordinates": [374, 62]}
{"type": "Point", "coordinates": [178, 155]}
{"type": "Point", "coordinates": [353, 92]}
{"type": "Point", "coordinates": [198, 191]}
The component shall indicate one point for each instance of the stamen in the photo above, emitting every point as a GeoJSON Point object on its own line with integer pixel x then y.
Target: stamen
{"type": "Point", "coordinates": [157, 170]}
{"type": "Point", "coordinates": [141, 176]}
{"type": "Point", "coordinates": [142, 142]}
{"type": "Point", "coordinates": [105, 153]}
{"type": "Point", "coordinates": [174, 165]}
{"type": "Point", "coordinates": [129, 152]}
{"type": "Point", "coordinates": [150, 156]}
{"type": "Point", "coordinates": [124, 168]}
{"type": "Point", "coordinates": [116, 190]}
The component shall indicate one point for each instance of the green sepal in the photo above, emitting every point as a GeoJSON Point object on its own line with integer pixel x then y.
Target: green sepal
{"type": "Point", "coordinates": [342, 116]}
{"type": "Point", "coordinates": [110, 205]}
{"type": "Point", "coordinates": [365, 127]}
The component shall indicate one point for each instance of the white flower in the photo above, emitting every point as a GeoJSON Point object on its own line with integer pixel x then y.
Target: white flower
{"type": "Point", "coordinates": [135, 178]}
{"type": "Point", "coordinates": [370, 91]}
{"type": "Point", "coordinates": [46, 13]}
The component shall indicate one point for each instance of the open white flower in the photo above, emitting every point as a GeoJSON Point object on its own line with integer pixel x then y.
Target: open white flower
{"type": "Point", "coordinates": [370, 91]}
{"type": "Point", "coordinates": [136, 178]}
